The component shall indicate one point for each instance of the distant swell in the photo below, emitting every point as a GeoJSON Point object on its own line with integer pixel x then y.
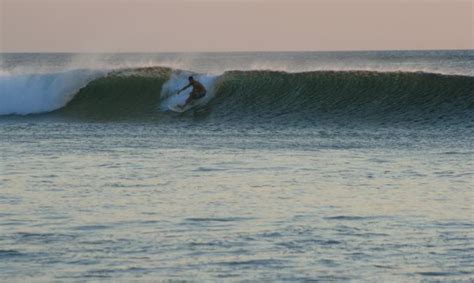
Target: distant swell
{"type": "Point", "coordinates": [309, 97]}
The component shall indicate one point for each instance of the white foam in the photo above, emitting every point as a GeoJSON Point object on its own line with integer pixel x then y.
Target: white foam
{"type": "Point", "coordinates": [36, 93]}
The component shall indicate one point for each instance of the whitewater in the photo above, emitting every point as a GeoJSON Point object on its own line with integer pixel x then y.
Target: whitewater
{"type": "Point", "coordinates": [299, 166]}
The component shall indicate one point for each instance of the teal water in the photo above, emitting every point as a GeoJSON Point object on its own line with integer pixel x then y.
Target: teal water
{"type": "Point", "coordinates": [361, 174]}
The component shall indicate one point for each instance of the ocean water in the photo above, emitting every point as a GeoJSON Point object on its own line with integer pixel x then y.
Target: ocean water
{"type": "Point", "coordinates": [329, 166]}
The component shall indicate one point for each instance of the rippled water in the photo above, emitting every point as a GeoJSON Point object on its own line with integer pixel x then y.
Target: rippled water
{"type": "Point", "coordinates": [196, 200]}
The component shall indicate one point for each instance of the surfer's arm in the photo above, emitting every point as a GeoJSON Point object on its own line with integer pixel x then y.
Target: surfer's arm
{"type": "Point", "coordinates": [184, 88]}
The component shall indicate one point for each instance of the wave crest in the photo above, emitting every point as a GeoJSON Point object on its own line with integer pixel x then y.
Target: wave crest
{"type": "Point", "coordinates": [255, 95]}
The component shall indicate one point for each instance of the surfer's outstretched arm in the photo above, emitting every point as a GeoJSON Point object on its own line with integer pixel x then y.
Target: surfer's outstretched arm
{"type": "Point", "coordinates": [184, 88]}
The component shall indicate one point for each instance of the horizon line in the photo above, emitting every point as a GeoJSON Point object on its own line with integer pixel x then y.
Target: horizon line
{"type": "Point", "coordinates": [232, 51]}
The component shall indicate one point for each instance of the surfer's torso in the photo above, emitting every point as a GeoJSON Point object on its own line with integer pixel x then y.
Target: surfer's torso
{"type": "Point", "coordinates": [197, 87]}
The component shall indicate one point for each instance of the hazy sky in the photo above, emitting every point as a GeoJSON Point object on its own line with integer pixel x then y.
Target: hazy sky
{"type": "Point", "coordinates": [234, 25]}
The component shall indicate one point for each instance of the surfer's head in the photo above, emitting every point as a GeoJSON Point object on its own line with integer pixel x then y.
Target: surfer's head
{"type": "Point", "coordinates": [190, 78]}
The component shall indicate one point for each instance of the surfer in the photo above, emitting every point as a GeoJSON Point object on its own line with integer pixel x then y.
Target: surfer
{"type": "Point", "coordinates": [199, 91]}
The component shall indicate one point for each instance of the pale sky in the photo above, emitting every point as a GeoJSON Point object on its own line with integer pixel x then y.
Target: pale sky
{"type": "Point", "coordinates": [234, 25]}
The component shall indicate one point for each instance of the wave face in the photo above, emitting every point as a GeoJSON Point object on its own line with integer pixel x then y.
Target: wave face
{"type": "Point", "coordinates": [248, 96]}
{"type": "Point", "coordinates": [122, 94]}
{"type": "Point", "coordinates": [382, 97]}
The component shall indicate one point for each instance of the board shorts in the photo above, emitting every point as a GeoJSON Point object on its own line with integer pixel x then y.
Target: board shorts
{"type": "Point", "coordinates": [199, 95]}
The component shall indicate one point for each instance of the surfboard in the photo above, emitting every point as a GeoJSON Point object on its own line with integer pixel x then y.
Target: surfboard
{"type": "Point", "coordinates": [176, 108]}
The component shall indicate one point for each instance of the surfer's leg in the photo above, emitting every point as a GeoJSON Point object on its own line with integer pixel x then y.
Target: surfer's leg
{"type": "Point", "coordinates": [200, 95]}
{"type": "Point", "coordinates": [190, 98]}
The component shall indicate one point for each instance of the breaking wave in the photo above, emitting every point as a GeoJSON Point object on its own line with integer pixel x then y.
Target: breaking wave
{"type": "Point", "coordinates": [36, 93]}
{"type": "Point", "coordinates": [246, 95]}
